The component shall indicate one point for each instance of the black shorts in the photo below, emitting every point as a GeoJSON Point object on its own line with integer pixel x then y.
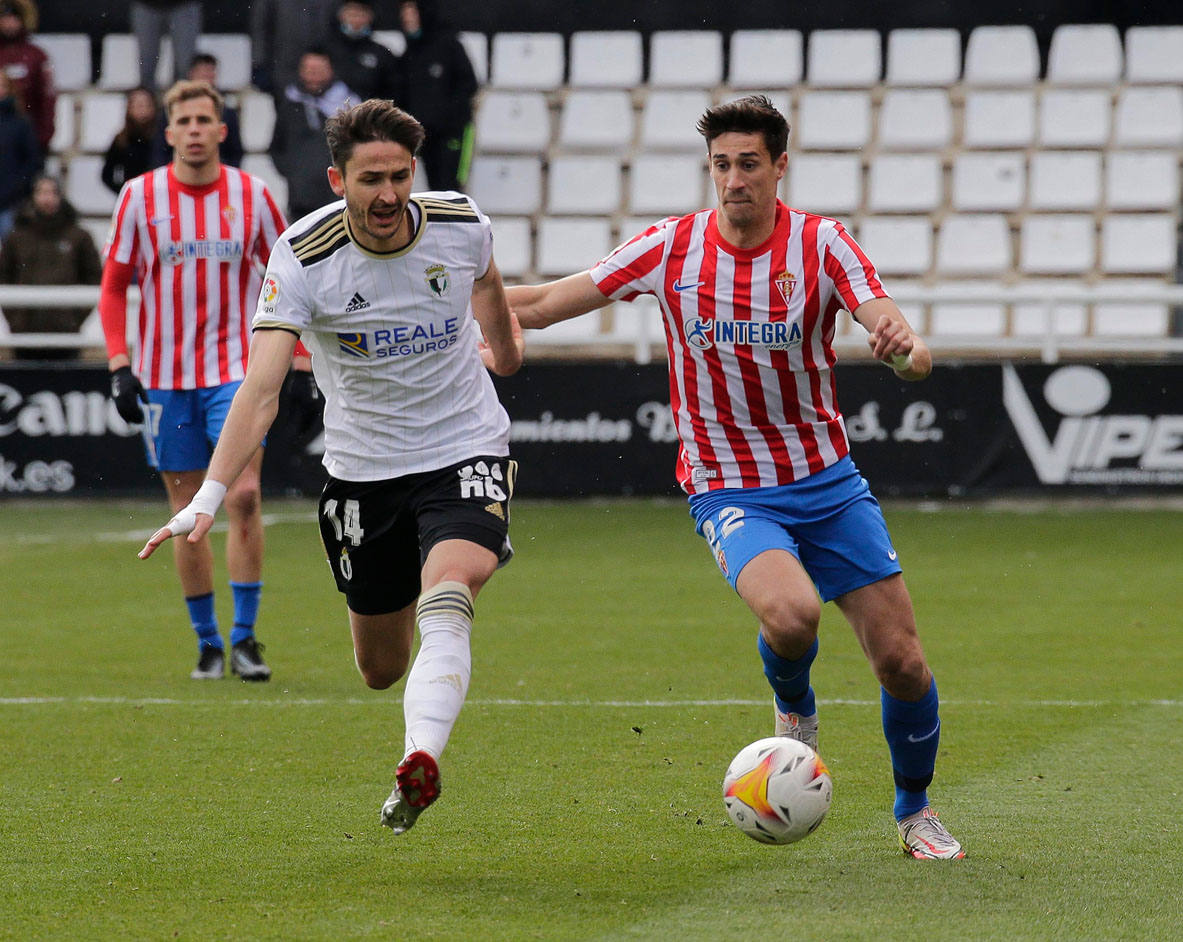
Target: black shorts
{"type": "Point", "coordinates": [378, 533]}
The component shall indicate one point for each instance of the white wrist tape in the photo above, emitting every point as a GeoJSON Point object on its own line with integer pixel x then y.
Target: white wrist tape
{"type": "Point", "coordinates": [207, 500]}
{"type": "Point", "coordinates": [902, 363]}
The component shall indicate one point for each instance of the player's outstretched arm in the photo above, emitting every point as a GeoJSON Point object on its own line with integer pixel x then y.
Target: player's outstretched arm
{"type": "Point", "coordinates": [892, 339]}
{"type": "Point", "coordinates": [502, 349]}
{"type": "Point", "coordinates": [251, 414]}
{"type": "Point", "coordinates": [542, 305]}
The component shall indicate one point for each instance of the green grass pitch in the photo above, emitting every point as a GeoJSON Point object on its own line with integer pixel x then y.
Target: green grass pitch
{"type": "Point", "coordinates": [615, 676]}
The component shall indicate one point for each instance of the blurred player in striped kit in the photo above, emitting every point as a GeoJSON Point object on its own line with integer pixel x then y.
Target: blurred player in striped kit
{"type": "Point", "coordinates": [750, 292]}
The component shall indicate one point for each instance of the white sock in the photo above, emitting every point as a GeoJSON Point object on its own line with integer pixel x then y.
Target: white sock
{"type": "Point", "coordinates": [438, 681]}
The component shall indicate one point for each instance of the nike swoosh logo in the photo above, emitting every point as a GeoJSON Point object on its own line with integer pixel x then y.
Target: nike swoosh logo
{"type": "Point", "coordinates": [678, 286]}
{"type": "Point", "coordinates": [892, 555]}
{"type": "Point", "coordinates": [914, 738]}
{"type": "Point", "coordinates": [158, 220]}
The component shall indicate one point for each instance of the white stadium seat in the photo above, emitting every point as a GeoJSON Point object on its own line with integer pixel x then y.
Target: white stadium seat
{"type": "Point", "coordinates": [1001, 55]}
{"type": "Point", "coordinates": [666, 185]}
{"type": "Point", "coordinates": [974, 244]}
{"type": "Point", "coordinates": [669, 120]}
{"type": "Point", "coordinates": [233, 52]}
{"type": "Point", "coordinates": [1141, 179]}
{"type": "Point", "coordinates": [1154, 55]}
{"type": "Point", "coordinates": [844, 58]}
{"type": "Point", "coordinates": [392, 39]}
{"type": "Point", "coordinates": [99, 227]}
{"type": "Point", "coordinates": [506, 184]}
{"type": "Point", "coordinates": [1065, 180]}
{"type": "Point", "coordinates": [1057, 244]}
{"type": "Point", "coordinates": [765, 58]}
{"type": "Point", "coordinates": [567, 244]}
{"type": "Point", "coordinates": [989, 181]}
{"type": "Point", "coordinates": [897, 245]}
{"type": "Point", "coordinates": [1000, 119]}
{"type": "Point", "coordinates": [976, 320]}
{"type": "Point", "coordinates": [119, 61]}
{"type": "Point", "coordinates": [833, 120]}
{"type": "Point", "coordinates": [1085, 54]}
{"type": "Point", "coordinates": [831, 184]}
{"type": "Point", "coordinates": [905, 183]}
{"type": "Point", "coordinates": [915, 119]}
{"type": "Point", "coordinates": [606, 59]}
{"type": "Point", "coordinates": [256, 119]}
{"type": "Point", "coordinates": [596, 119]}
{"type": "Point", "coordinates": [1030, 318]}
{"type": "Point", "coordinates": [65, 125]}
{"type": "Point", "coordinates": [477, 47]}
{"type": "Point", "coordinates": [84, 187]}
{"type": "Point", "coordinates": [923, 57]}
{"type": "Point", "coordinates": [103, 114]}
{"type": "Point", "coordinates": [1134, 318]}
{"type": "Point", "coordinates": [583, 185]}
{"type": "Point", "coordinates": [686, 58]}
{"type": "Point", "coordinates": [513, 246]}
{"type": "Point", "coordinates": [263, 167]}
{"type": "Point", "coordinates": [1138, 243]}
{"type": "Point", "coordinates": [527, 61]}
{"type": "Point", "coordinates": [512, 122]}
{"type": "Point", "coordinates": [1071, 117]}
{"type": "Point", "coordinates": [1149, 116]}
{"type": "Point", "coordinates": [69, 54]}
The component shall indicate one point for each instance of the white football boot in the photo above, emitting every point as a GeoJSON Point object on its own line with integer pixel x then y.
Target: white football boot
{"type": "Point", "coordinates": [924, 837]}
{"type": "Point", "coordinates": [796, 726]}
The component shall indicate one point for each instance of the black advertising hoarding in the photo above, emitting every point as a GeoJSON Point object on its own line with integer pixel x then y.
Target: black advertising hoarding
{"type": "Point", "coordinates": [599, 428]}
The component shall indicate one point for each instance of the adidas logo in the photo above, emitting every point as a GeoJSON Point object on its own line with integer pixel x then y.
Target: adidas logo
{"type": "Point", "coordinates": [496, 511]}
{"type": "Point", "coordinates": [356, 303]}
{"type": "Point", "coordinates": [455, 681]}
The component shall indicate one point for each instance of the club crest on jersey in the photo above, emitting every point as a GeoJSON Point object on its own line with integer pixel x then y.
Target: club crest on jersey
{"type": "Point", "coordinates": [703, 333]}
{"type": "Point", "coordinates": [785, 282]}
{"type": "Point", "coordinates": [437, 279]}
{"type": "Point", "coordinates": [230, 213]}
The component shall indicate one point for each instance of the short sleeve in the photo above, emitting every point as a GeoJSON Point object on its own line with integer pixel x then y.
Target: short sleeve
{"type": "Point", "coordinates": [284, 301]}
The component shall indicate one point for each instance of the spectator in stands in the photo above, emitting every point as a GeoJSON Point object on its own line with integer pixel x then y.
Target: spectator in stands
{"type": "Point", "coordinates": [20, 158]}
{"type": "Point", "coordinates": [48, 247]}
{"type": "Point", "coordinates": [360, 61]}
{"type": "Point", "coordinates": [28, 67]}
{"type": "Point", "coordinates": [151, 20]}
{"type": "Point", "coordinates": [280, 33]}
{"type": "Point", "coordinates": [298, 145]}
{"type": "Point", "coordinates": [132, 150]}
{"type": "Point", "coordinates": [438, 85]}
{"type": "Point", "coordinates": [204, 68]}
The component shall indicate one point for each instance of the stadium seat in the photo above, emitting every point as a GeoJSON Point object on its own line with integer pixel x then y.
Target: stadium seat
{"type": "Point", "coordinates": [1000, 119]}
{"type": "Point", "coordinates": [606, 59]}
{"type": "Point", "coordinates": [527, 61]}
{"type": "Point", "coordinates": [630, 226]}
{"type": "Point", "coordinates": [65, 125]}
{"type": "Point", "coordinates": [84, 187]}
{"type": "Point", "coordinates": [262, 166]}
{"type": "Point", "coordinates": [233, 52]}
{"type": "Point", "coordinates": [905, 183]}
{"type": "Point", "coordinates": [585, 329]}
{"type": "Point", "coordinates": [915, 119]}
{"type": "Point", "coordinates": [897, 245]}
{"type": "Point", "coordinates": [583, 185]}
{"type": "Point", "coordinates": [765, 58]}
{"type": "Point", "coordinates": [98, 227]}
{"type": "Point", "coordinates": [1001, 55]}
{"type": "Point", "coordinates": [831, 184]}
{"type": "Point", "coordinates": [1065, 180]}
{"type": "Point", "coordinates": [392, 39]}
{"type": "Point", "coordinates": [685, 58]}
{"type": "Point", "coordinates": [1154, 55]}
{"type": "Point", "coordinates": [974, 244]}
{"type": "Point", "coordinates": [834, 120]}
{"type": "Point", "coordinates": [513, 245]}
{"type": "Point", "coordinates": [1070, 117]}
{"type": "Point", "coordinates": [256, 120]}
{"type": "Point", "coordinates": [477, 47]}
{"type": "Point", "coordinates": [844, 58]}
{"type": "Point", "coordinates": [1149, 116]}
{"type": "Point", "coordinates": [1146, 179]}
{"type": "Point", "coordinates": [119, 62]}
{"type": "Point", "coordinates": [663, 185]}
{"type": "Point", "coordinates": [568, 244]}
{"type": "Point", "coordinates": [640, 322]}
{"type": "Point", "coordinates": [923, 57]}
{"type": "Point", "coordinates": [1131, 319]}
{"type": "Point", "coordinates": [1134, 244]}
{"type": "Point", "coordinates": [669, 120]}
{"type": "Point", "coordinates": [1057, 244]}
{"type": "Point", "coordinates": [102, 116]}
{"type": "Point", "coordinates": [1085, 54]}
{"type": "Point", "coordinates": [969, 320]}
{"type": "Point", "coordinates": [512, 122]}
{"type": "Point", "coordinates": [989, 181]}
{"type": "Point", "coordinates": [69, 54]}
{"type": "Point", "coordinates": [1030, 319]}
{"type": "Point", "coordinates": [506, 184]}
{"type": "Point", "coordinates": [595, 119]}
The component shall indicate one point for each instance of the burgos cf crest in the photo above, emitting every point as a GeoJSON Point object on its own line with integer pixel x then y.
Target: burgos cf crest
{"type": "Point", "coordinates": [437, 279]}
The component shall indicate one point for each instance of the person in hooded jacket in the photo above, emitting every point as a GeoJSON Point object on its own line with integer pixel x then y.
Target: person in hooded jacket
{"type": "Point", "coordinates": [361, 62]}
{"type": "Point", "coordinates": [20, 158]}
{"type": "Point", "coordinates": [48, 247]}
{"type": "Point", "coordinates": [132, 149]}
{"type": "Point", "coordinates": [27, 65]}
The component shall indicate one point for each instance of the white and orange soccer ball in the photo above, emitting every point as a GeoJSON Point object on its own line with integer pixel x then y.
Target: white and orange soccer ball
{"type": "Point", "coordinates": [777, 790]}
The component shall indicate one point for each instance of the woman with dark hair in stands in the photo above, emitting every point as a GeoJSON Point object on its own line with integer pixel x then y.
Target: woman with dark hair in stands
{"type": "Point", "coordinates": [130, 153]}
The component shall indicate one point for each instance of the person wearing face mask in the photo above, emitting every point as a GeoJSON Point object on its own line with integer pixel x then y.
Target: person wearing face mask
{"type": "Point", "coordinates": [20, 158]}
{"type": "Point", "coordinates": [361, 62]}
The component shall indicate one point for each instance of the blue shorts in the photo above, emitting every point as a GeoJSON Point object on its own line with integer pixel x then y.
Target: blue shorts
{"type": "Point", "coordinates": [830, 521]}
{"type": "Point", "coordinates": [182, 425]}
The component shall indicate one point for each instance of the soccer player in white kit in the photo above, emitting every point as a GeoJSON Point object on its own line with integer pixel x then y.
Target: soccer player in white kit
{"type": "Point", "coordinates": [750, 292]}
{"type": "Point", "coordinates": [400, 302]}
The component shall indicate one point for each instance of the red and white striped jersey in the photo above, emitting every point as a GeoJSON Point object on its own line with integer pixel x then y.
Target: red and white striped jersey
{"type": "Point", "coordinates": [198, 255]}
{"type": "Point", "coordinates": [749, 335]}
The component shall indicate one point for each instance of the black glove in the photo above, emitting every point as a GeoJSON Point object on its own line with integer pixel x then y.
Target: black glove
{"type": "Point", "coordinates": [125, 390]}
{"type": "Point", "coordinates": [303, 398]}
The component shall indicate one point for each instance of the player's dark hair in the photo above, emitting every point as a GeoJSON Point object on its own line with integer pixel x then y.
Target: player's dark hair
{"type": "Point", "coordinates": [373, 120]}
{"type": "Point", "coordinates": [185, 89]}
{"type": "Point", "coordinates": [754, 114]}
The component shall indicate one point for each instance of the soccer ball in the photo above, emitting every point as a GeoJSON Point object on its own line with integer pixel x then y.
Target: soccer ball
{"type": "Point", "coordinates": [777, 790]}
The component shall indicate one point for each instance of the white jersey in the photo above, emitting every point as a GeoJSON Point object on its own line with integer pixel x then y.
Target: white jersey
{"type": "Point", "coordinates": [392, 337]}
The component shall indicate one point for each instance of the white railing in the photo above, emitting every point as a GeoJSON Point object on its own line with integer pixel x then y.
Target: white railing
{"type": "Point", "coordinates": [1049, 346]}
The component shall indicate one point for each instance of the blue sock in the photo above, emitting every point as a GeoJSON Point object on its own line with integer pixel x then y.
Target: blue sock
{"type": "Point", "coordinates": [246, 609]}
{"type": "Point", "coordinates": [789, 679]}
{"type": "Point", "coordinates": [913, 731]}
{"type": "Point", "coordinates": [205, 622]}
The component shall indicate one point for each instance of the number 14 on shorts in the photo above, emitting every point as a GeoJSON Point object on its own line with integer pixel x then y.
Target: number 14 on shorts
{"type": "Point", "coordinates": [348, 524]}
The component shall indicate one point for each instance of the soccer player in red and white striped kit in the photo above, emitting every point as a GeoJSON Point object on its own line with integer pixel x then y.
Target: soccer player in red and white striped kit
{"type": "Point", "coordinates": [196, 235]}
{"type": "Point", "coordinates": [750, 292]}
